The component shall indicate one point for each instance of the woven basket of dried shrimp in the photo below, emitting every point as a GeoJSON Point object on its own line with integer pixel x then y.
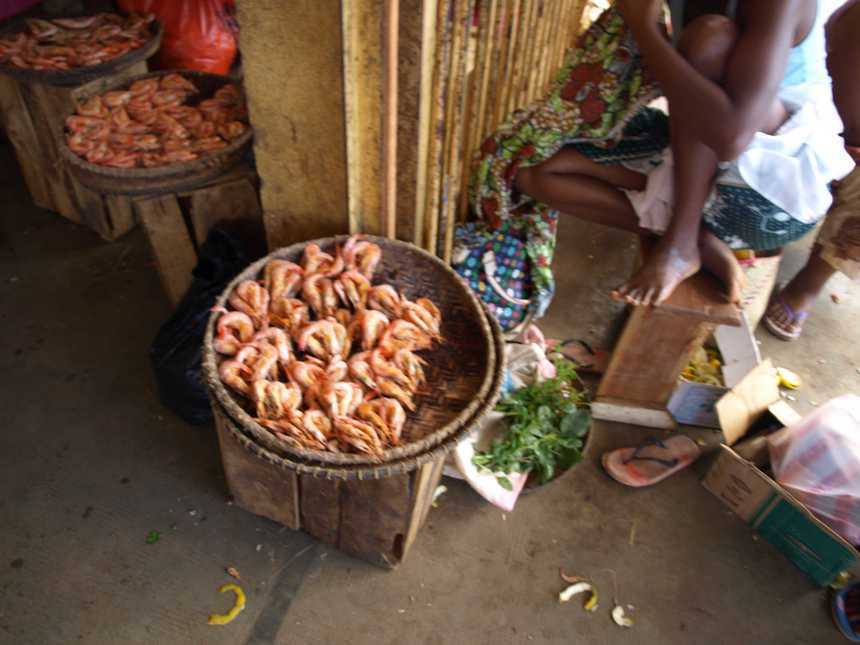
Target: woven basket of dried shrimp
{"type": "Point", "coordinates": [160, 132]}
{"type": "Point", "coordinates": [350, 351]}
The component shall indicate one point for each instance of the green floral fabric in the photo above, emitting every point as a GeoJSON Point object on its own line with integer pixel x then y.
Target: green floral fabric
{"type": "Point", "coordinates": [601, 86]}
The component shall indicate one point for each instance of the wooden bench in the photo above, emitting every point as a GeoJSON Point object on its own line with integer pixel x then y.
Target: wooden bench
{"type": "Point", "coordinates": [654, 347]}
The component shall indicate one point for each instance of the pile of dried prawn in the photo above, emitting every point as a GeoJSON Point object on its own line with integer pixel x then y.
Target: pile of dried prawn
{"type": "Point", "coordinates": [67, 43]}
{"type": "Point", "coordinates": [150, 124]}
{"type": "Point", "coordinates": [325, 359]}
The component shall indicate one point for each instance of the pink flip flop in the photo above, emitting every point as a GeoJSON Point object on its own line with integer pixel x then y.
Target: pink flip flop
{"type": "Point", "coordinates": [651, 462]}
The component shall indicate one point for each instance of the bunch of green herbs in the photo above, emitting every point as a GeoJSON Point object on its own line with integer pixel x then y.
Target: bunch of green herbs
{"type": "Point", "coordinates": [548, 423]}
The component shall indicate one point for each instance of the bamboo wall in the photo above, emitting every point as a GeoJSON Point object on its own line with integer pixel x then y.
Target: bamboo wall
{"type": "Point", "coordinates": [489, 57]}
{"type": "Point", "coordinates": [368, 114]}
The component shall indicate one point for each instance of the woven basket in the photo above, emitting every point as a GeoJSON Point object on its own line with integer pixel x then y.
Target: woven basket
{"type": "Point", "coordinates": [171, 178]}
{"type": "Point", "coordinates": [360, 472]}
{"type": "Point", "coordinates": [461, 372]}
{"type": "Point", "coordinates": [81, 75]}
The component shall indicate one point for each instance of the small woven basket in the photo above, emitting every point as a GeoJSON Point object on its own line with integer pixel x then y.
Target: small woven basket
{"type": "Point", "coordinates": [169, 178]}
{"type": "Point", "coordinates": [80, 75]}
{"type": "Point", "coordinates": [463, 372]}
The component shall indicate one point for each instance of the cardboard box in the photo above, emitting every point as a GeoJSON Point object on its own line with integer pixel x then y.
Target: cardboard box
{"type": "Point", "coordinates": [760, 501]}
{"type": "Point", "coordinates": [732, 411]}
{"type": "Point", "coordinates": [779, 518]}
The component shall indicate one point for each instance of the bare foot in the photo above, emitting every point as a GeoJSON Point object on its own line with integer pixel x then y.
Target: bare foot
{"type": "Point", "coordinates": [664, 269]}
{"type": "Point", "coordinates": [719, 260]}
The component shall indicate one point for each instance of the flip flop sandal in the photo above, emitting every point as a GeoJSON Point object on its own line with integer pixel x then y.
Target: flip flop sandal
{"type": "Point", "coordinates": [630, 467]}
{"type": "Point", "coordinates": [780, 330]}
{"type": "Point", "coordinates": [596, 359]}
{"type": "Point", "coordinates": [847, 621]}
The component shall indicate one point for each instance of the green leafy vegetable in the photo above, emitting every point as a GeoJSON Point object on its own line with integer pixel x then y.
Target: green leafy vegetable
{"type": "Point", "coordinates": [152, 537]}
{"type": "Point", "coordinates": [548, 424]}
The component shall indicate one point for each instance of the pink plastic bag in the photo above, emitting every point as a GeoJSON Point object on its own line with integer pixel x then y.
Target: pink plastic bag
{"type": "Point", "coordinates": [818, 461]}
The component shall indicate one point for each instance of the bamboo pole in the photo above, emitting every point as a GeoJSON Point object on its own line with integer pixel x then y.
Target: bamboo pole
{"type": "Point", "coordinates": [364, 81]}
{"type": "Point", "coordinates": [454, 114]}
{"type": "Point", "coordinates": [391, 39]}
{"type": "Point", "coordinates": [429, 47]}
{"type": "Point", "coordinates": [437, 125]}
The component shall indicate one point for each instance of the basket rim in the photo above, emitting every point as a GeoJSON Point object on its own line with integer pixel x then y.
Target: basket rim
{"type": "Point", "coordinates": [351, 472]}
{"type": "Point", "coordinates": [82, 75]}
{"type": "Point", "coordinates": [169, 171]}
{"type": "Point", "coordinates": [264, 437]}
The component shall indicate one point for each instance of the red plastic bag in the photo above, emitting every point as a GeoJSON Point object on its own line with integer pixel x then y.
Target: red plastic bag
{"type": "Point", "coordinates": [197, 33]}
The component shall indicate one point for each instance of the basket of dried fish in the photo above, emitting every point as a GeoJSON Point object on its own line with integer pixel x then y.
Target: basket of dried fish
{"type": "Point", "coordinates": [338, 352]}
{"type": "Point", "coordinates": [74, 51]}
{"type": "Point", "coordinates": [157, 133]}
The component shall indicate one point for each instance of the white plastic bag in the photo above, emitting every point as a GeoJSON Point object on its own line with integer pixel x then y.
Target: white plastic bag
{"type": "Point", "coordinates": [818, 461]}
{"type": "Point", "coordinates": [525, 363]}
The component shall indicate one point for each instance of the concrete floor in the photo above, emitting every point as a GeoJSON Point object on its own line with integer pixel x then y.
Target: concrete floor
{"type": "Point", "coordinates": [90, 463]}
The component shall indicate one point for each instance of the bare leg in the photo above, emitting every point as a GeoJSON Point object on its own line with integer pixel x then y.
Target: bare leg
{"type": "Point", "coordinates": [706, 43]}
{"type": "Point", "coordinates": [572, 183]}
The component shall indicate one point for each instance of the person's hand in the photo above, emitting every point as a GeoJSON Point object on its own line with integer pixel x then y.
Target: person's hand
{"type": "Point", "coordinates": [639, 13]}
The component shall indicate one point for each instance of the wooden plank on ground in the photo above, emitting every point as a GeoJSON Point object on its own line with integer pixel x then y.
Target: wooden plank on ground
{"type": "Point", "coordinates": [170, 242]}
{"type": "Point", "coordinates": [648, 358]}
{"type": "Point", "coordinates": [292, 56]}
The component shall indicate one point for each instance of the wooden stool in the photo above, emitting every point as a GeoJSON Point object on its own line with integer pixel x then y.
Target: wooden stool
{"type": "Point", "coordinates": [654, 347]}
{"type": "Point", "coordinates": [176, 224]}
{"type": "Point", "coordinates": [33, 114]}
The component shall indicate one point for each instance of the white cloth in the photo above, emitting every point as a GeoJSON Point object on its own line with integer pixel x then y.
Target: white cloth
{"type": "Point", "coordinates": [794, 167]}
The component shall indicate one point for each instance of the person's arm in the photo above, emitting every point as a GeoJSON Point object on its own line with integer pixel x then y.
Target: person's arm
{"type": "Point", "coordinates": [726, 117]}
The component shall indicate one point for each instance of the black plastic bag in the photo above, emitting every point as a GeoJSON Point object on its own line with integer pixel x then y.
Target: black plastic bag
{"type": "Point", "coordinates": [177, 351]}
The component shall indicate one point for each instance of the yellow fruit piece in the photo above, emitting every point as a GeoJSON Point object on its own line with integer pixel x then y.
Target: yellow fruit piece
{"type": "Point", "coordinates": [787, 378]}
{"type": "Point", "coordinates": [223, 619]}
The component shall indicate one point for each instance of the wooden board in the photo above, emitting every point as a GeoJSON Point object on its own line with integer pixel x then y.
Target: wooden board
{"type": "Point", "coordinates": [292, 56]}
{"type": "Point", "coordinates": [169, 239]}
{"type": "Point", "coordinates": [256, 485]}
{"type": "Point", "coordinates": [648, 358]}
{"type": "Point", "coordinates": [377, 520]}
{"type": "Point", "coordinates": [234, 206]}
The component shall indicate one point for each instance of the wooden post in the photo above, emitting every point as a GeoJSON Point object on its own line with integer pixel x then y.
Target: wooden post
{"type": "Point", "coordinates": [378, 109]}
{"type": "Point", "coordinates": [292, 55]}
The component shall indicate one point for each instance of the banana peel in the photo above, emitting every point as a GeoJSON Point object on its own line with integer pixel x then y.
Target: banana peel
{"type": "Point", "coordinates": [224, 619]}
{"type": "Point", "coordinates": [620, 618]}
{"type": "Point", "coordinates": [580, 587]}
{"type": "Point", "coordinates": [788, 379]}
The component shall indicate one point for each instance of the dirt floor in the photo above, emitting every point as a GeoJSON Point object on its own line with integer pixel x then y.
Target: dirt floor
{"type": "Point", "coordinates": [90, 464]}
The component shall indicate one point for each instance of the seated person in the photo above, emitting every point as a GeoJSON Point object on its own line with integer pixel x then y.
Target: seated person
{"type": "Point", "coordinates": [754, 142]}
{"type": "Point", "coordinates": [838, 247]}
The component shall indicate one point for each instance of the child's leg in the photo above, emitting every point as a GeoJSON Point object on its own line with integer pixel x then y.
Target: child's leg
{"type": "Point", "coordinates": [707, 44]}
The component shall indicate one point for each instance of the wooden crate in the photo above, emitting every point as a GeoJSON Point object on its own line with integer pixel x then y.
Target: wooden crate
{"type": "Point", "coordinates": [375, 518]}
{"type": "Point", "coordinates": [176, 224]}
{"type": "Point", "coordinates": [32, 114]}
